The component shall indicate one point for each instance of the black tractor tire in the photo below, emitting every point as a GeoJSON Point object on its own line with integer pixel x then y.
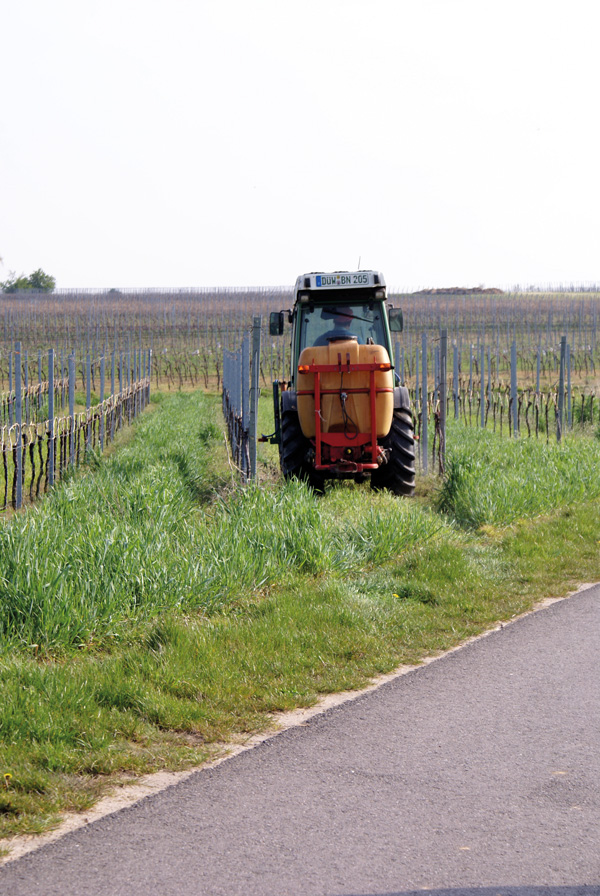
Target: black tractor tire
{"type": "Point", "coordinates": [293, 446]}
{"type": "Point", "coordinates": [293, 450]}
{"type": "Point", "coordinates": [398, 474]}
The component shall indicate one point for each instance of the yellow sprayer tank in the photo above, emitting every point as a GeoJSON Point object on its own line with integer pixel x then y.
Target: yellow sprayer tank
{"type": "Point", "coordinates": [355, 413]}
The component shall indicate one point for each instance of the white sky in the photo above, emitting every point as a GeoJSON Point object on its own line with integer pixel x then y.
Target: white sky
{"type": "Point", "coordinates": [242, 142]}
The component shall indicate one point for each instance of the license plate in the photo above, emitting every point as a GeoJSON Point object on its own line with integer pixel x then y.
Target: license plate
{"type": "Point", "coordinates": [351, 278]}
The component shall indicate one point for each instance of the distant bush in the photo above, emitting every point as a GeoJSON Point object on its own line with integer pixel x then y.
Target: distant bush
{"type": "Point", "coordinates": [38, 281]}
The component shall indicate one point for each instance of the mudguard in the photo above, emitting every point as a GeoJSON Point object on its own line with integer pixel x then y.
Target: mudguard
{"type": "Point", "coordinates": [401, 398]}
{"type": "Point", "coordinates": [288, 401]}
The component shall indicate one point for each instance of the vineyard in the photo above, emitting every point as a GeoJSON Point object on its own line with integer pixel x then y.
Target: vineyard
{"type": "Point", "coordinates": [45, 434]}
{"type": "Point", "coordinates": [513, 362]}
{"type": "Point", "coordinates": [155, 608]}
{"type": "Point", "coordinates": [187, 331]}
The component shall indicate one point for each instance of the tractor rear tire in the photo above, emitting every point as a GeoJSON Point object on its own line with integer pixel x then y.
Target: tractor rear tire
{"type": "Point", "coordinates": [293, 447]}
{"type": "Point", "coordinates": [398, 474]}
{"type": "Point", "coordinates": [293, 451]}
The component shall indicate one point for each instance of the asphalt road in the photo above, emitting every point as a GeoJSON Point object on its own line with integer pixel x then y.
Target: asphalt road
{"type": "Point", "coordinates": [478, 774]}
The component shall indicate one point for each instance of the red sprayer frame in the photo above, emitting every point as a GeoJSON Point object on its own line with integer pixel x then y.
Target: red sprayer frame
{"type": "Point", "coordinates": [340, 440]}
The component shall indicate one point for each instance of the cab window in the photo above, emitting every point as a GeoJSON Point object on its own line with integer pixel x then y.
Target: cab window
{"type": "Point", "coordinates": [365, 323]}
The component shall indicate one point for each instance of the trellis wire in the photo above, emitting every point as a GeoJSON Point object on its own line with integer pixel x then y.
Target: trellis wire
{"type": "Point", "coordinates": [240, 394]}
{"type": "Point", "coordinates": [61, 442]}
{"type": "Point", "coordinates": [552, 409]}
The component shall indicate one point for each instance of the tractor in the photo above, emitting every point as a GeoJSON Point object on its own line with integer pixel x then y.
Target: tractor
{"type": "Point", "coordinates": [343, 413]}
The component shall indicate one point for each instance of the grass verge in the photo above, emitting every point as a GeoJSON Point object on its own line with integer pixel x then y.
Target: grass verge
{"type": "Point", "coordinates": [152, 610]}
{"type": "Point", "coordinates": [498, 481]}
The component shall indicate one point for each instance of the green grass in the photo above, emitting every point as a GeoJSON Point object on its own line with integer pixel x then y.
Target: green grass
{"type": "Point", "coordinates": [498, 481]}
{"type": "Point", "coordinates": [151, 609]}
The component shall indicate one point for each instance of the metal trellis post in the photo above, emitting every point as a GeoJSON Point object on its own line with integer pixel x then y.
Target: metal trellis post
{"type": "Point", "coordinates": [51, 417]}
{"type": "Point", "coordinates": [19, 422]}
{"type": "Point", "coordinates": [424, 403]}
{"type": "Point", "coordinates": [561, 389]}
{"type": "Point", "coordinates": [443, 397]}
{"type": "Point", "coordinates": [72, 408]}
{"type": "Point", "coordinates": [254, 394]}
{"type": "Point", "coordinates": [513, 388]}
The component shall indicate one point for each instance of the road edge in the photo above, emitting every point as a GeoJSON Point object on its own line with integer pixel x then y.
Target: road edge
{"type": "Point", "coordinates": [126, 795]}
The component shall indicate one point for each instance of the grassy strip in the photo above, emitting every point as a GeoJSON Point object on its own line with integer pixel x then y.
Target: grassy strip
{"type": "Point", "coordinates": [496, 482]}
{"type": "Point", "coordinates": [115, 546]}
{"type": "Point", "coordinates": [198, 613]}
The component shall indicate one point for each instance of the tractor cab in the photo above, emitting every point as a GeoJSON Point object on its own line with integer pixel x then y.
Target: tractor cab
{"type": "Point", "coordinates": [338, 306]}
{"type": "Point", "coordinates": [340, 414]}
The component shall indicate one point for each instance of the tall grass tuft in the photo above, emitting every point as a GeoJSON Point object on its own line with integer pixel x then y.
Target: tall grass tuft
{"type": "Point", "coordinates": [498, 481]}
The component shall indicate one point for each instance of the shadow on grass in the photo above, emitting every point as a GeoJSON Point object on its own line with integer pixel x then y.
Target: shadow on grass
{"type": "Point", "coordinates": [200, 487]}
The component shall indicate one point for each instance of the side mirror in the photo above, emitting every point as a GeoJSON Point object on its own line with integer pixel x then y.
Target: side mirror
{"type": "Point", "coordinates": [276, 322]}
{"type": "Point", "coordinates": [396, 320]}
